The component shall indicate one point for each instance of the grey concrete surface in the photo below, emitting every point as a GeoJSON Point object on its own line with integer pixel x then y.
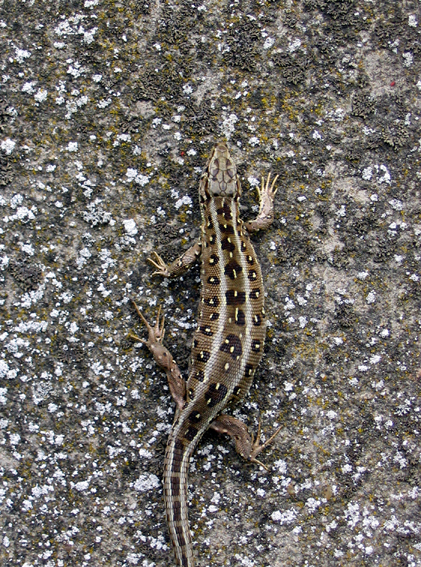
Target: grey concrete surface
{"type": "Point", "coordinates": [108, 111]}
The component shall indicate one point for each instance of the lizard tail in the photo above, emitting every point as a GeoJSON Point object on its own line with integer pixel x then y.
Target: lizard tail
{"type": "Point", "coordinates": [176, 465]}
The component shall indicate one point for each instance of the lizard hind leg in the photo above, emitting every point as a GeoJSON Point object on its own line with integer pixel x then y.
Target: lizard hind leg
{"type": "Point", "coordinates": [245, 445]}
{"type": "Point", "coordinates": [163, 357]}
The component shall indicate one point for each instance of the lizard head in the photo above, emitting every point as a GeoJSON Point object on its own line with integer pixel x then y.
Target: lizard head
{"type": "Point", "coordinates": [220, 176]}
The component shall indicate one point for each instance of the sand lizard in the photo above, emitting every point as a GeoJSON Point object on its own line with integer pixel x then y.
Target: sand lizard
{"type": "Point", "coordinates": [228, 341]}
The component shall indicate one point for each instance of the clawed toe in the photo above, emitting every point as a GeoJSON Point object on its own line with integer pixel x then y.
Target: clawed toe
{"type": "Point", "coordinates": [156, 333]}
{"type": "Point", "coordinates": [256, 448]}
{"type": "Point", "coordinates": [160, 265]}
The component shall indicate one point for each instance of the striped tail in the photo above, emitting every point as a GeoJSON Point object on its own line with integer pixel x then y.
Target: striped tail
{"type": "Point", "coordinates": [176, 465]}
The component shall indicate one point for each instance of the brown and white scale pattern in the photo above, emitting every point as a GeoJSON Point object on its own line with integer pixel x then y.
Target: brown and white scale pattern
{"type": "Point", "coordinates": [228, 342]}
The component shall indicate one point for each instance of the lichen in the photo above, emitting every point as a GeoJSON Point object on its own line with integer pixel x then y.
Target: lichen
{"type": "Point", "coordinates": [108, 113]}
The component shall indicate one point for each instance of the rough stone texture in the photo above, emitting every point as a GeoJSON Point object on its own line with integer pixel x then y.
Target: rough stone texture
{"type": "Point", "coordinates": [108, 111]}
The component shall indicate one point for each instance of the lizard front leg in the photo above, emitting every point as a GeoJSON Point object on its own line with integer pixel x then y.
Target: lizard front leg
{"type": "Point", "coordinates": [179, 266]}
{"type": "Point", "coordinates": [163, 357]}
{"type": "Point", "coordinates": [265, 217]}
{"type": "Point", "coordinates": [245, 445]}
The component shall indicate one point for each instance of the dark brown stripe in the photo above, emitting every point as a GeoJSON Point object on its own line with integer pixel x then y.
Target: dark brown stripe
{"type": "Point", "coordinates": [225, 211]}
{"type": "Point", "coordinates": [175, 486]}
{"type": "Point", "coordinates": [206, 331]}
{"type": "Point", "coordinates": [178, 447]}
{"type": "Point", "coordinates": [177, 456]}
{"type": "Point", "coordinates": [255, 293]}
{"type": "Point", "coordinates": [235, 297]}
{"type": "Point", "coordinates": [176, 507]}
{"type": "Point", "coordinates": [203, 356]}
{"type": "Point", "coordinates": [233, 269]}
{"type": "Point", "coordinates": [180, 535]}
{"type": "Point", "coordinates": [215, 394]}
{"type": "Point", "coordinates": [212, 301]}
{"type": "Point", "coordinates": [232, 346]}
{"type": "Point", "coordinates": [257, 320]}
{"type": "Point", "coordinates": [194, 417]}
{"type": "Point", "coordinates": [227, 228]}
{"type": "Point", "coordinates": [226, 244]}
{"type": "Point", "coordinates": [248, 370]}
{"type": "Point", "coordinates": [191, 433]}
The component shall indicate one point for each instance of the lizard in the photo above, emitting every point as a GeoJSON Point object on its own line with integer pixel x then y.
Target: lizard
{"type": "Point", "coordinates": [228, 342]}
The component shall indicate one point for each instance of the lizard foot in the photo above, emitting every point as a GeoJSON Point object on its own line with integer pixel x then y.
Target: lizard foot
{"type": "Point", "coordinates": [256, 448]}
{"type": "Point", "coordinates": [156, 333]}
{"type": "Point", "coordinates": [162, 267]}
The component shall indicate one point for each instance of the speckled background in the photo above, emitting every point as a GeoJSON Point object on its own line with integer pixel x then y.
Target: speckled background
{"type": "Point", "coordinates": [108, 111]}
